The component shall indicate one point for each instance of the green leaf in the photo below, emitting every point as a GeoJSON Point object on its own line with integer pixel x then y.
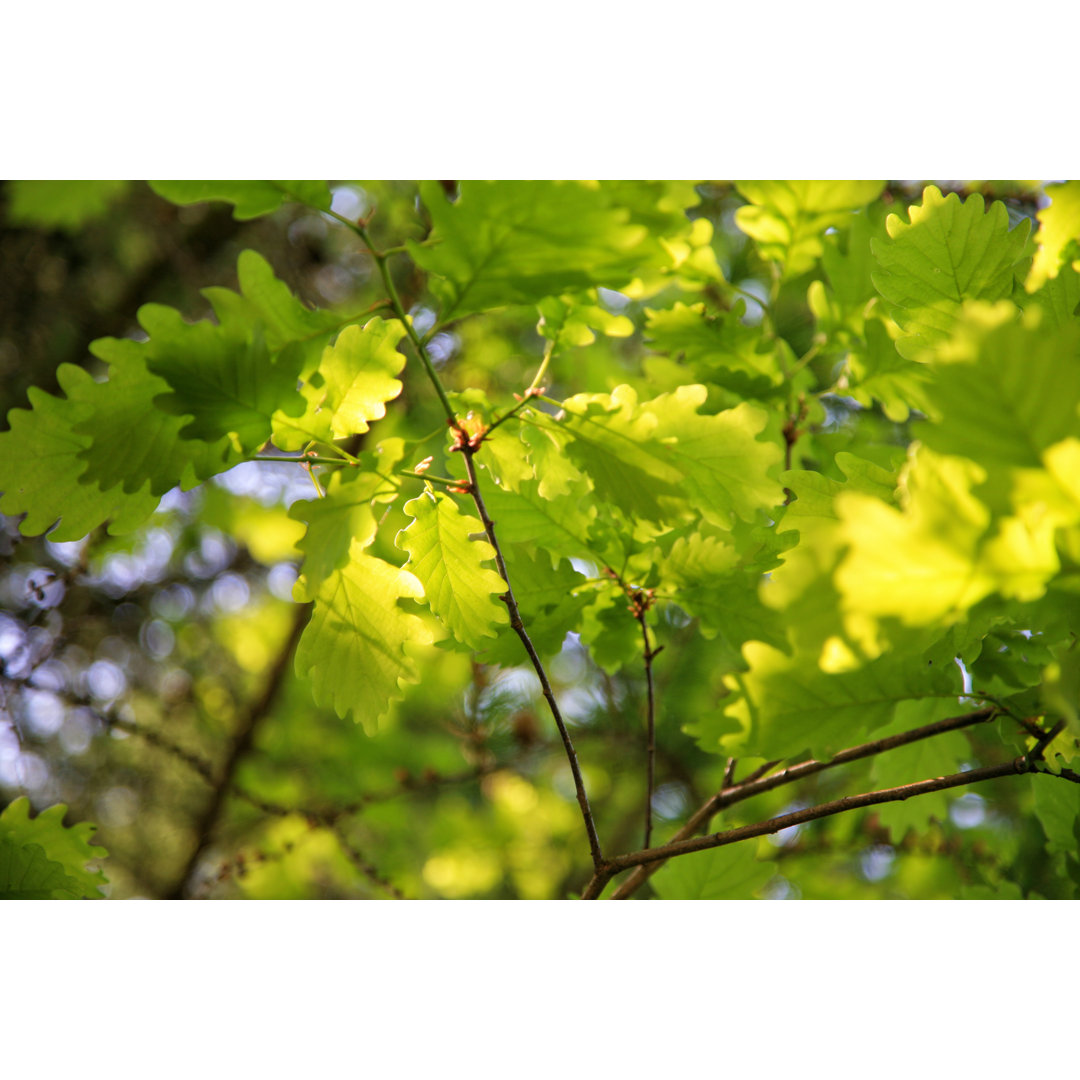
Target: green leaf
{"type": "Point", "coordinates": [549, 605]}
{"type": "Point", "coordinates": [69, 847]}
{"type": "Point", "coordinates": [221, 372]}
{"type": "Point", "coordinates": [803, 587]}
{"type": "Point", "coordinates": [714, 347]}
{"type": "Point", "coordinates": [878, 372]}
{"type": "Point", "coordinates": [1059, 225]}
{"type": "Point", "coordinates": [515, 242]}
{"type": "Point", "coordinates": [131, 441]}
{"type": "Point", "coordinates": [61, 204]}
{"type": "Point", "coordinates": [949, 252]}
{"type": "Point", "coordinates": [446, 553]}
{"type": "Point", "coordinates": [1057, 806]}
{"type": "Point", "coordinates": [937, 756]}
{"type": "Point", "coordinates": [228, 385]}
{"type": "Point", "coordinates": [1006, 375]}
{"type": "Point", "coordinates": [350, 387]}
{"type": "Point", "coordinates": [344, 517]}
{"type": "Point", "coordinates": [251, 198]}
{"type": "Point", "coordinates": [785, 705]}
{"type": "Point", "coordinates": [726, 467]}
{"type": "Point", "coordinates": [651, 459]}
{"type": "Point", "coordinates": [558, 525]}
{"type": "Point", "coordinates": [353, 649]}
{"type": "Point", "coordinates": [1059, 298]}
{"type": "Point", "coordinates": [571, 320]}
{"type": "Point", "coordinates": [42, 471]}
{"type": "Point", "coordinates": [724, 873]}
{"type": "Point", "coordinates": [26, 873]}
{"type": "Point", "coordinates": [788, 218]}
{"type": "Point", "coordinates": [931, 561]}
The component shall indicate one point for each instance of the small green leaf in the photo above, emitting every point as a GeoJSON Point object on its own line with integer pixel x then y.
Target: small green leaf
{"type": "Point", "coordinates": [447, 553]}
{"type": "Point", "coordinates": [1057, 806]}
{"type": "Point", "coordinates": [715, 346]}
{"type": "Point", "coordinates": [1008, 375]}
{"type": "Point", "coordinates": [350, 387]}
{"type": "Point", "coordinates": [68, 847]}
{"type": "Point", "coordinates": [345, 517]}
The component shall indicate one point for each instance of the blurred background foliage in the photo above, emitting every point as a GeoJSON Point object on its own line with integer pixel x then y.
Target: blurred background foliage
{"type": "Point", "coordinates": [133, 668]}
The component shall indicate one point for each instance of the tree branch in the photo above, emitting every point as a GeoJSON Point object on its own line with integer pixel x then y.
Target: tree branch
{"type": "Point", "coordinates": [757, 783]}
{"type": "Point", "coordinates": [244, 738]}
{"type": "Point", "coordinates": [799, 817]}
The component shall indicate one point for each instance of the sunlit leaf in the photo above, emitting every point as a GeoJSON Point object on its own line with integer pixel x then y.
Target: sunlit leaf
{"type": "Point", "coordinates": [788, 218]}
{"type": "Point", "coordinates": [1059, 226]}
{"type": "Point", "coordinates": [948, 252]}
{"type": "Point", "coordinates": [353, 649]}
{"type": "Point", "coordinates": [446, 553]}
{"type": "Point", "coordinates": [516, 242]}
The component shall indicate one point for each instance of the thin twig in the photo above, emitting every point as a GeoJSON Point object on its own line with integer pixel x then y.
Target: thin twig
{"type": "Point", "coordinates": [758, 782]}
{"type": "Point", "coordinates": [799, 817]}
{"type": "Point", "coordinates": [467, 452]}
{"type": "Point", "coordinates": [650, 767]}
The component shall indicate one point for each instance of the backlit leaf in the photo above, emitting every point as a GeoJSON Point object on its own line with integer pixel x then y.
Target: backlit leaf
{"type": "Point", "coordinates": [516, 242]}
{"type": "Point", "coordinates": [448, 561]}
{"type": "Point", "coordinates": [948, 252]}
{"type": "Point", "coordinates": [788, 218]}
{"type": "Point", "coordinates": [353, 649]}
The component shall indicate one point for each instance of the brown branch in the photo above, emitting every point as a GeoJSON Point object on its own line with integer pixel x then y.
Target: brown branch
{"type": "Point", "coordinates": [467, 452]}
{"type": "Point", "coordinates": [650, 768]}
{"type": "Point", "coordinates": [757, 783]}
{"type": "Point", "coordinates": [799, 817]}
{"type": "Point", "coordinates": [244, 739]}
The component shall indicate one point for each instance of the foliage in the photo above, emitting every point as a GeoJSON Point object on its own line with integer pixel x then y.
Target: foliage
{"type": "Point", "coordinates": [40, 859]}
{"type": "Point", "coordinates": [588, 503]}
